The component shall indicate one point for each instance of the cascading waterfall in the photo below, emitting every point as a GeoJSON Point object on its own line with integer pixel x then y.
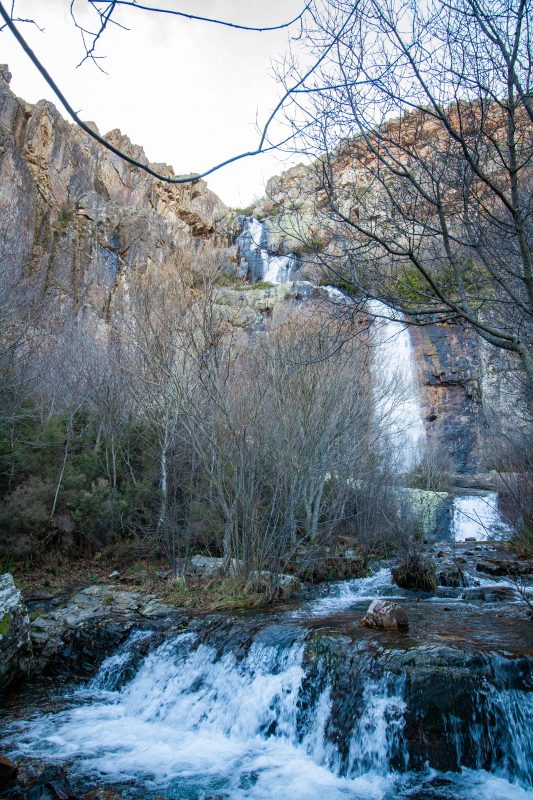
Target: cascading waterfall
{"type": "Point", "coordinates": [477, 518]}
{"type": "Point", "coordinates": [242, 711]}
{"type": "Point", "coordinates": [396, 385]}
{"type": "Point", "coordinates": [262, 264]}
{"type": "Point", "coordinates": [191, 712]}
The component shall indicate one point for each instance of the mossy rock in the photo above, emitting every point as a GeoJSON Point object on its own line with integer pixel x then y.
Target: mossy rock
{"type": "Point", "coordinates": [416, 574]}
{"type": "Point", "coordinates": [5, 624]}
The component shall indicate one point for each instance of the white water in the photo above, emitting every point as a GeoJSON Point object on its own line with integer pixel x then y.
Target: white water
{"type": "Point", "coordinates": [396, 386]}
{"type": "Point", "coordinates": [191, 715]}
{"type": "Point", "coordinates": [279, 269]}
{"type": "Point", "coordinates": [478, 518]}
{"type": "Point", "coordinates": [344, 594]}
{"type": "Point", "coordinates": [194, 722]}
{"type": "Point", "coordinates": [273, 268]}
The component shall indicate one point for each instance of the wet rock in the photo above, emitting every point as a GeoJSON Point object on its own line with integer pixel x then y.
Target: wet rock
{"type": "Point", "coordinates": [8, 772]}
{"type": "Point", "coordinates": [415, 573]}
{"type": "Point", "coordinates": [386, 615]}
{"type": "Point", "coordinates": [501, 567]}
{"type": "Point", "coordinates": [15, 647]}
{"type": "Point", "coordinates": [102, 794]}
{"type": "Point", "coordinates": [78, 635]}
{"type": "Point", "coordinates": [489, 594]}
{"type": "Point", "coordinates": [52, 784]}
{"type": "Point", "coordinates": [450, 574]}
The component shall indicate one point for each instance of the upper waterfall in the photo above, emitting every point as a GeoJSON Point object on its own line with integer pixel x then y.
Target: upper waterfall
{"type": "Point", "coordinates": [262, 264]}
{"type": "Point", "coordinates": [396, 385]}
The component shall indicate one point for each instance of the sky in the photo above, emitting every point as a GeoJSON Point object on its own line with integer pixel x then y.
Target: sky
{"type": "Point", "coordinates": [190, 93]}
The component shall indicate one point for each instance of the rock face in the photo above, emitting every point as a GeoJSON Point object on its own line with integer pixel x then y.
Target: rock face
{"type": "Point", "coordinates": [76, 220]}
{"type": "Point", "coordinates": [467, 386]}
{"type": "Point", "coordinates": [386, 615]}
{"type": "Point", "coordinates": [77, 636]}
{"type": "Point", "coordinates": [15, 648]}
{"type": "Point", "coordinates": [52, 784]}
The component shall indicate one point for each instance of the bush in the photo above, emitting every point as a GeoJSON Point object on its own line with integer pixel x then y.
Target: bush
{"type": "Point", "coordinates": [415, 573]}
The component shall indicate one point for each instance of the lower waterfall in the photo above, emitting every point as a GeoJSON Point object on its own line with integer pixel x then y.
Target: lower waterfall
{"type": "Point", "coordinates": [258, 708]}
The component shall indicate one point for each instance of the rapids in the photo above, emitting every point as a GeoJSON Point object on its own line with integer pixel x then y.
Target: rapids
{"type": "Point", "coordinates": [301, 705]}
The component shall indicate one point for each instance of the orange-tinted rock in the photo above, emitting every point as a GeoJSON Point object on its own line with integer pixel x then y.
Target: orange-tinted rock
{"type": "Point", "coordinates": [386, 615]}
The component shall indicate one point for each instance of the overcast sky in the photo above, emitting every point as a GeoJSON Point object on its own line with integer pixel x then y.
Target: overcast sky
{"type": "Point", "coordinates": [188, 92]}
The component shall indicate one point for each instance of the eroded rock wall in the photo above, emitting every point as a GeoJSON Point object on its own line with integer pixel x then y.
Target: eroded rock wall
{"type": "Point", "coordinates": [76, 219]}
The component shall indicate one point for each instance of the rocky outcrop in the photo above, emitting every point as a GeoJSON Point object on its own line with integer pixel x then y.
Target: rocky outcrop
{"type": "Point", "coordinates": [15, 648]}
{"type": "Point", "coordinates": [8, 772]}
{"type": "Point", "coordinates": [78, 220]}
{"type": "Point", "coordinates": [77, 636]}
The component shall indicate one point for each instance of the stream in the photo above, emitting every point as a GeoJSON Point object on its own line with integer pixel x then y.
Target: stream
{"type": "Point", "coordinates": [302, 704]}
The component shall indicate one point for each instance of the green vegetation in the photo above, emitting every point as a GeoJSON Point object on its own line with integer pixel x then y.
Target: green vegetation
{"type": "Point", "coordinates": [244, 212]}
{"type": "Point", "coordinates": [5, 624]}
{"type": "Point", "coordinates": [238, 285]}
{"type": "Point", "coordinates": [412, 288]}
{"type": "Point", "coordinates": [344, 284]}
{"type": "Point", "coordinates": [69, 482]}
{"type": "Point", "coordinates": [313, 246]}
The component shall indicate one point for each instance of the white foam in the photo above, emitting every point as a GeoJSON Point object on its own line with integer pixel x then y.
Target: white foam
{"type": "Point", "coordinates": [477, 517]}
{"type": "Point", "coordinates": [396, 386]}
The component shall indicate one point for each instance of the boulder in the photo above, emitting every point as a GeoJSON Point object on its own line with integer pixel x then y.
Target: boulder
{"type": "Point", "coordinates": [15, 647]}
{"type": "Point", "coordinates": [450, 574]}
{"type": "Point", "coordinates": [499, 567]}
{"type": "Point", "coordinates": [207, 565]}
{"type": "Point", "coordinates": [8, 772]}
{"type": "Point", "coordinates": [280, 586]}
{"type": "Point", "coordinates": [386, 615]}
{"type": "Point", "coordinates": [415, 573]}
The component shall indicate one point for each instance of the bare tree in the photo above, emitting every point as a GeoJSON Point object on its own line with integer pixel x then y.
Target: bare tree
{"type": "Point", "coordinates": [420, 121]}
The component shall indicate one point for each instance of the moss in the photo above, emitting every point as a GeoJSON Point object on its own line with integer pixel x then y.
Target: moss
{"type": "Point", "coordinates": [5, 624]}
{"type": "Point", "coordinates": [313, 246]}
{"type": "Point", "coordinates": [411, 286]}
{"type": "Point", "coordinates": [237, 284]}
{"type": "Point", "coordinates": [344, 284]}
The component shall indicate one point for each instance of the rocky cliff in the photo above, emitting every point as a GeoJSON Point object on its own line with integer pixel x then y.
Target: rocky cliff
{"type": "Point", "coordinates": [76, 219]}
{"type": "Point", "coordinates": [471, 392]}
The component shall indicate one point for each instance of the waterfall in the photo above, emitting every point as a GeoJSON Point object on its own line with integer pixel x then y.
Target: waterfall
{"type": "Point", "coordinates": [192, 713]}
{"type": "Point", "coordinates": [396, 385]}
{"type": "Point", "coordinates": [241, 712]}
{"type": "Point", "coordinates": [262, 264]}
{"type": "Point", "coordinates": [477, 517]}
